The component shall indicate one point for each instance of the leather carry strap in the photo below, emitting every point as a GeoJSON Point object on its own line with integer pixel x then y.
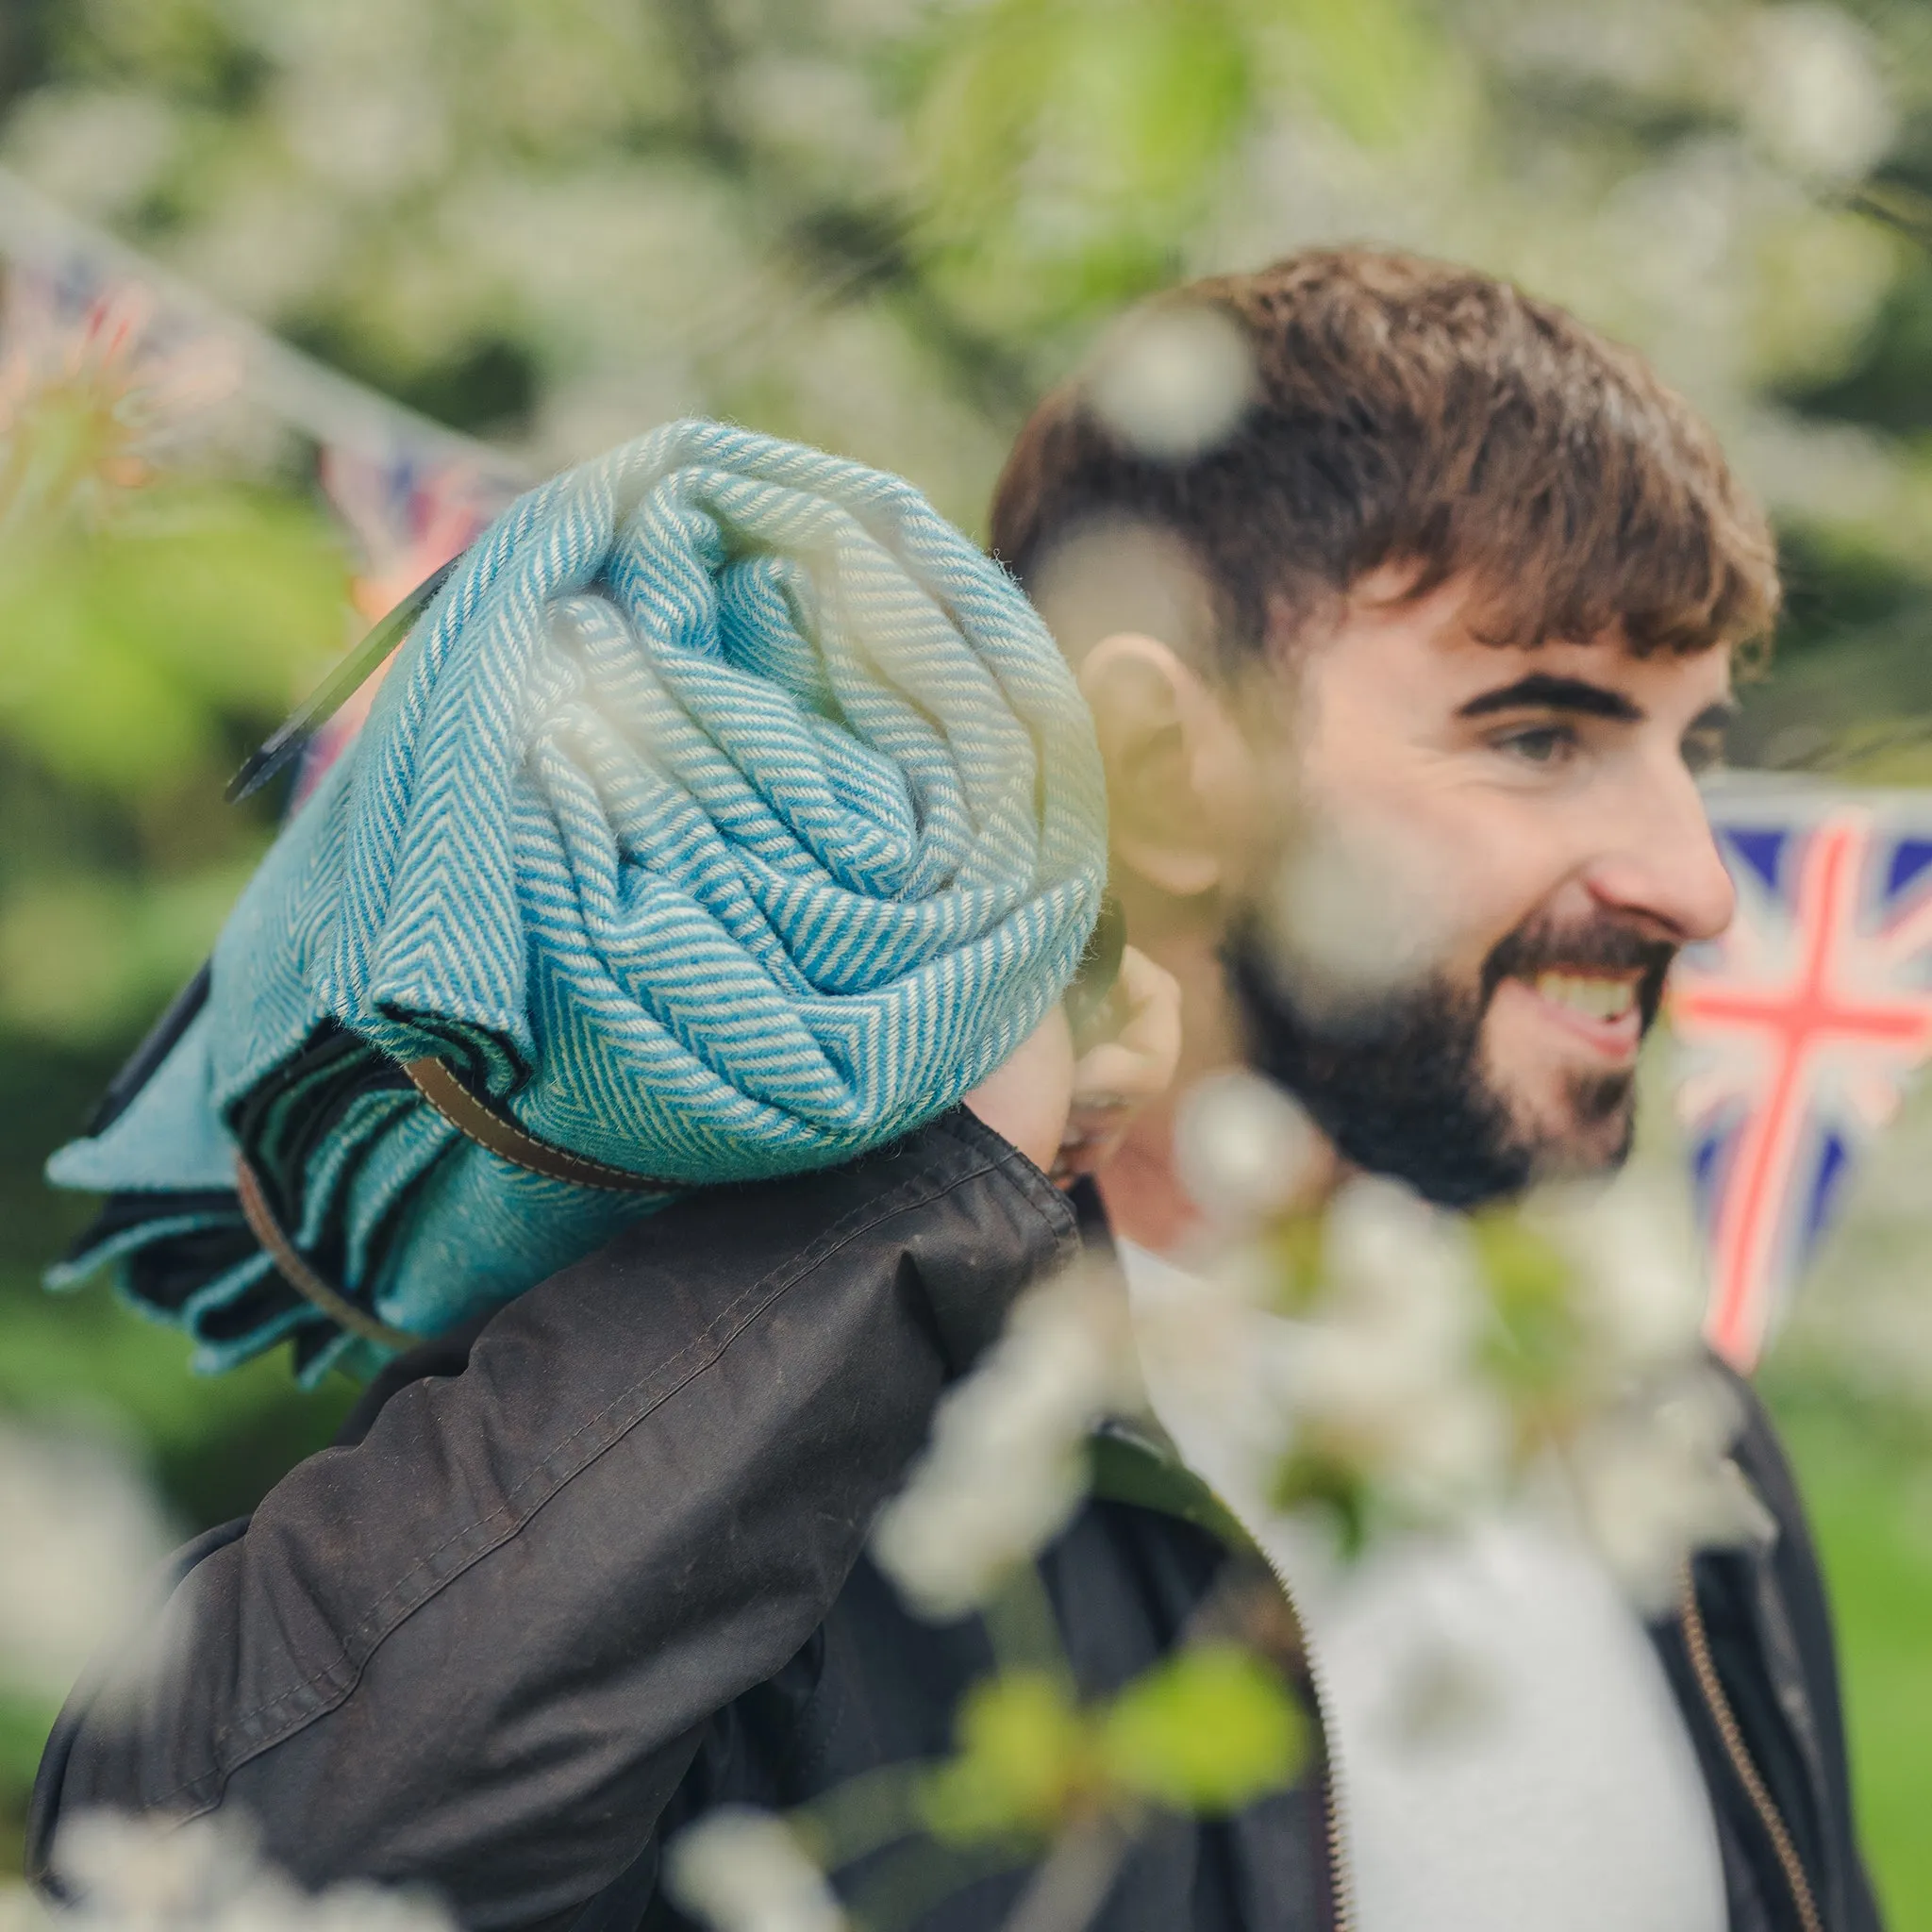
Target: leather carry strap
{"type": "Point", "coordinates": [300, 1275]}
{"type": "Point", "coordinates": [499, 1134]}
{"type": "Point", "coordinates": [478, 1122]}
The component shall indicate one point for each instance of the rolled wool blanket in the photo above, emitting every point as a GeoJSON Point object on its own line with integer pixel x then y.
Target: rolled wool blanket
{"type": "Point", "coordinates": [726, 815]}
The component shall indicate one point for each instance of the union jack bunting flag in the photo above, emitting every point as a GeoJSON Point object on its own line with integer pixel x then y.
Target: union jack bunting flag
{"type": "Point", "coordinates": [70, 328]}
{"type": "Point", "coordinates": [1801, 1028]}
{"type": "Point", "coordinates": [86, 321]}
{"type": "Point", "coordinates": [406, 514]}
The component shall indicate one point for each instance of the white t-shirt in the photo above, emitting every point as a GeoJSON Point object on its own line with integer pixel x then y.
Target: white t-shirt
{"type": "Point", "coordinates": [1508, 1757]}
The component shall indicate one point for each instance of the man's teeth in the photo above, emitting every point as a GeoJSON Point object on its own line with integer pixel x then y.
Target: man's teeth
{"type": "Point", "coordinates": [1594, 998]}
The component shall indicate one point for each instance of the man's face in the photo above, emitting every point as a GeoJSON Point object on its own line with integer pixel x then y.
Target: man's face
{"type": "Point", "coordinates": [1528, 827]}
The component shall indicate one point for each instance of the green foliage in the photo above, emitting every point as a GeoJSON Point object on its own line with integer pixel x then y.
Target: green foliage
{"type": "Point", "coordinates": [149, 626]}
{"type": "Point", "coordinates": [85, 958]}
{"type": "Point", "coordinates": [1293, 1251]}
{"type": "Point", "coordinates": [125, 648]}
{"type": "Point", "coordinates": [1205, 1731]}
{"type": "Point", "coordinates": [1336, 1487]}
{"type": "Point", "coordinates": [1125, 113]}
{"type": "Point", "coordinates": [1381, 70]}
{"type": "Point", "coordinates": [1061, 150]}
{"type": "Point", "coordinates": [134, 660]}
{"type": "Point", "coordinates": [1208, 1731]}
{"type": "Point", "coordinates": [1025, 1760]}
{"type": "Point", "coordinates": [24, 1727]}
{"type": "Point", "coordinates": [146, 622]}
{"type": "Point", "coordinates": [1535, 1335]}
{"type": "Point", "coordinates": [1868, 1483]}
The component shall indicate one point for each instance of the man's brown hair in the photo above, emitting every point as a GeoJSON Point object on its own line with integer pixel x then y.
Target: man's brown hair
{"type": "Point", "coordinates": [1404, 411]}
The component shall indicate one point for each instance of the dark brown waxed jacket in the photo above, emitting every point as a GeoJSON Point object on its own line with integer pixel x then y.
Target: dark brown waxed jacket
{"type": "Point", "coordinates": [576, 1575]}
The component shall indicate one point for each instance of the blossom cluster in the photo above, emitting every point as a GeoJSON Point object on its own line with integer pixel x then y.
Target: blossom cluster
{"type": "Point", "coordinates": [651, 216]}
{"type": "Point", "coordinates": [1005, 1469]}
{"type": "Point", "coordinates": [1381, 1363]}
{"type": "Point", "coordinates": [150, 1875]}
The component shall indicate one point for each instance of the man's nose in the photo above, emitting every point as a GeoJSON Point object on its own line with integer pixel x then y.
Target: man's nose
{"type": "Point", "coordinates": [1665, 870]}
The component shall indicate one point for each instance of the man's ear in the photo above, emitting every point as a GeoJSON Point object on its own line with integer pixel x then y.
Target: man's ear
{"type": "Point", "coordinates": [1174, 762]}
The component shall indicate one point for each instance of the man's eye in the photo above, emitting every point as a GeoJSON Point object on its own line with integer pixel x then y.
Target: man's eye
{"type": "Point", "coordinates": [1538, 744]}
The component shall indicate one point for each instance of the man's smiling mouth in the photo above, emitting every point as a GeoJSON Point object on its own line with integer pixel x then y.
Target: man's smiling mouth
{"type": "Point", "coordinates": [1602, 1011]}
{"type": "Point", "coordinates": [1595, 996]}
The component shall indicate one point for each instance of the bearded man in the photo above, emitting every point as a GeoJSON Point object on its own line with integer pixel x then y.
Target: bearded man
{"type": "Point", "coordinates": [1486, 577]}
{"type": "Point", "coordinates": [579, 1576]}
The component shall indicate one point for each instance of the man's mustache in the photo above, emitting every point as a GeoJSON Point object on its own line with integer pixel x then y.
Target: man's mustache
{"type": "Point", "coordinates": [1547, 945]}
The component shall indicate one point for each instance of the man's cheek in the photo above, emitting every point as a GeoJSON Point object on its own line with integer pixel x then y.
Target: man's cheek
{"type": "Point", "coordinates": [1368, 911]}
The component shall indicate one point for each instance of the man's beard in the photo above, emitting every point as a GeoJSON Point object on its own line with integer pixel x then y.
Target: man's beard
{"type": "Point", "coordinates": [1396, 1083]}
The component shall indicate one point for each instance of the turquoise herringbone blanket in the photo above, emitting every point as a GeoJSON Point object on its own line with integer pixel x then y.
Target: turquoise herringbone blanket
{"type": "Point", "coordinates": [726, 814]}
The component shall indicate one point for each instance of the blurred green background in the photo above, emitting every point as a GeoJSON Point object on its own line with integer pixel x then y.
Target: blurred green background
{"type": "Point", "coordinates": [885, 226]}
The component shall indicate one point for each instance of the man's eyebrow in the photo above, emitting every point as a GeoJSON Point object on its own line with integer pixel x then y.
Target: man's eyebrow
{"type": "Point", "coordinates": [1543, 692]}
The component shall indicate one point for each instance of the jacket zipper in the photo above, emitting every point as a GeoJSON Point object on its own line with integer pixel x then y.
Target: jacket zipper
{"type": "Point", "coordinates": [1231, 1530]}
{"type": "Point", "coordinates": [1697, 1643]}
{"type": "Point", "coordinates": [1333, 1835]}
{"type": "Point", "coordinates": [1331, 1778]}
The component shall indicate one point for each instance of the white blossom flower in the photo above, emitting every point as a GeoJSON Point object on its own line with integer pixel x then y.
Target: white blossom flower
{"type": "Point", "coordinates": [745, 1871]}
{"type": "Point", "coordinates": [1376, 1371]}
{"type": "Point", "coordinates": [154, 1875]}
{"type": "Point", "coordinates": [1004, 1469]}
{"type": "Point", "coordinates": [1112, 574]}
{"type": "Point", "coordinates": [81, 1533]}
{"type": "Point", "coordinates": [1654, 1481]}
{"type": "Point", "coordinates": [1813, 92]}
{"type": "Point", "coordinates": [96, 152]}
{"type": "Point", "coordinates": [1640, 1288]}
{"type": "Point", "coordinates": [1387, 1376]}
{"type": "Point", "coordinates": [1648, 1452]}
{"type": "Point", "coordinates": [1431, 1438]}
{"type": "Point", "coordinates": [821, 112]}
{"type": "Point", "coordinates": [20, 1911]}
{"type": "Point", "coordinates": [1243, 1149]}
{"type": "Point", "coordinates": [1209, 1342]}
{"type": "Point", "coordinates": [1393, 1260]}
{"type": "Point", "coordinates": [1173, 380]}
{"type": "Point", "coordinates": [1354, 913]}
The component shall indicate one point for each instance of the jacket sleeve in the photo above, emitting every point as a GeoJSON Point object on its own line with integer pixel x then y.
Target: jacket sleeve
{"type": "Point", "coordinates": [477, 1648]}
